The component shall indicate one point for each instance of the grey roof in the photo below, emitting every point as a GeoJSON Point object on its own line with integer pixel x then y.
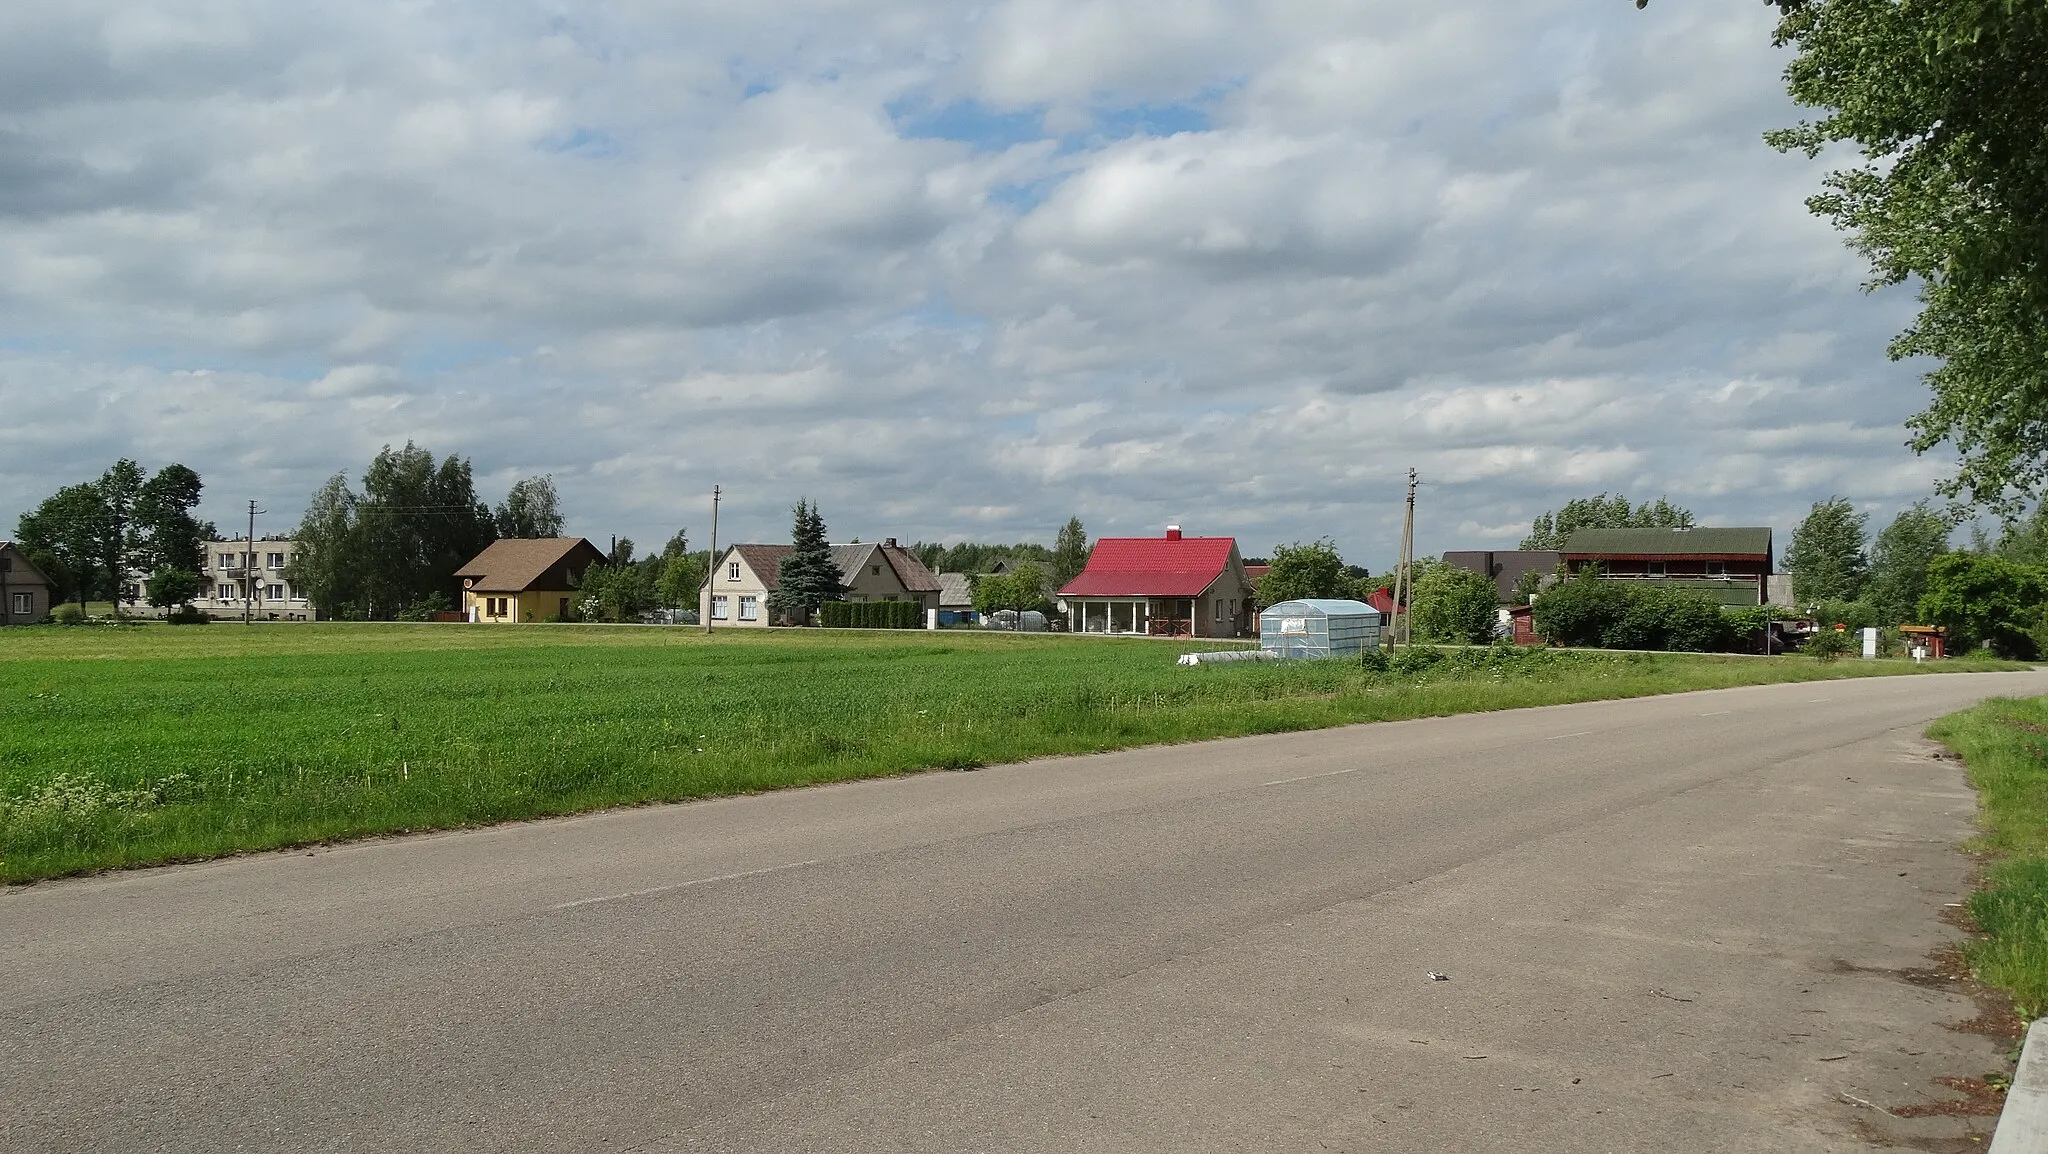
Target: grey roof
{"type": "Point", "coordinates": [1669, 542]}
{"type": "Point", "coordinates": [1505, 566]}
{"type": "Point", "coordinates": [766, 562]}
{"type": "Point", "coordinates": [956, 591]}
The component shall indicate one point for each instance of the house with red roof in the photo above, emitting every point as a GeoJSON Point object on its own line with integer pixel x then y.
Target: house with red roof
{"type": "Point", "coordinates": [1171, 586]}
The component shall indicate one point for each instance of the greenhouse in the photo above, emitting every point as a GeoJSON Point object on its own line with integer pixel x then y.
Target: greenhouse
{"type": "Point", "coordinates": [1319, 628]}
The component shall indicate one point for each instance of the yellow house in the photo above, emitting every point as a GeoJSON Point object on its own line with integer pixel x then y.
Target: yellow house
{"type": "Point", "coordinates": [516, 581]}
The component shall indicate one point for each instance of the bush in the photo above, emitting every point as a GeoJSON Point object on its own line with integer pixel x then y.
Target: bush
{"type": "Point", "coordinates": [1986, 599]}
{"type": "Point", "coordinates": [1375, 660]}
{"type": "Point", "coordinates": [871, 615]}
{"type": "Point", "coordinates": [1589, 612]}
{"type": "Point", "coordinates": [1415, 659]}
{"type": "Point", "coordinates": [68, 614]}
{"type": "Point", "coordinates": [1455, 605]}
{"type": "Point", "coordinates": [187, 615]}
{"type": "Point", "coordinates": [1829, 644]}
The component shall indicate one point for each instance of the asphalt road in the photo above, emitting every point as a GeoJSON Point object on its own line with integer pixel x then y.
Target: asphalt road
{"type": "Point", "coordinates": [1679, 923]}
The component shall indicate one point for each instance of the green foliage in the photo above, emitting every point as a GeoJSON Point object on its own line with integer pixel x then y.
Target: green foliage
{"type": "Point", "coordinates": [242, 739]}
{"type": "Point", "coordinates": [1854, 614]}
{"type": "Point", "coordinates": [1413, 659]}
{"type": "Point", "coordinates": [1827, 559]}
{"type": "Point", "coordinates": [1829, 644]}
{"type": "Point", "coordinates": [1593, 612]}
{"type": "Point", "coordinates": [1948, 104]}
{"type": "Point", "coordinates": [531, 509]}
{"type": "Point", "coordinates": [1069, 553]}
{"type": "Point", "coordinates": [171, 538]}
{"type": "Point", "coordinates": [871, 615]}
{"type": "Point", "coordinates": [187, 615]}
{"type": "Point", "coordinates": [1453, 604]}
{"type": "Point", "coordinates": [64, 537]}
{"type": "Point", "coordinates": [613, 593]}
{"type": "Point", "coordinates": [169, 588]}
{"type": "Point", "coordinates": [809, 576]}
{"type": "Point", "coordinates": [682, 576]}
{"type": "Point", "coordinates": [1375, 660]}
{"type": "Point", "coordinates": [86, 537]}
{"type": "Point", "coordinates": [1899, 560]}
{"type": "Point", "coordinates": [1552, 530]}
{"type": "Point", "coordinates": [1307, 572]}
{"type": "Point", "coordinates": [1986, 599]}
{"type": "Point", "coordinates": [374, 555]}
{"type": "Point", "coordinates": [974, 557]}
{"type": "Point", "coordinates": [1024, 588]}
{"type": "Point", "coordinates": [68, 614]}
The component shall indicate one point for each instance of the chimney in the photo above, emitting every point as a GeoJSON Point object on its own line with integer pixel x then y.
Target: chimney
{"type": "Point", "coordinates": [1173, 532]}
{"type": "Point", "coordinates": [888, 542]}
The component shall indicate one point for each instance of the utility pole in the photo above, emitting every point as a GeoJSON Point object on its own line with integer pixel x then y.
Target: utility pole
{"type": "Point", "coordinates": [1404, 583]}
{"type": "Point", "coordinates": [711, 570]}
{"type": "Point", "coordinates": [249, 565]}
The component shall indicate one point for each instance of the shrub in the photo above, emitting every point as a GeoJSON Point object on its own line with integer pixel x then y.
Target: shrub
{"type": "Point", "coordinates": [1829, 644]}
{"type": "Point", "coordinates": [1455, 605]}
{"type": "Point", "coordinates": [1415, 658]}
{"type": "Point", "coordinates": [1986, 599]}
{"type": "Point", "coordinates": [187, 615]}
{"type": "Point", "coordinates": [871, 614]}
{"type": "Point", "coordinates": [1375, 660]}
{"type": "Point", "coordinates": [68, 614]}
{"type": "Point", "coordinates": [1589, 612]}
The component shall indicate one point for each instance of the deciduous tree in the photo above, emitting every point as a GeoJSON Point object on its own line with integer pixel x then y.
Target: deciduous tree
{"type": "Point", "coordinates": [1899, 560]}
{"type": "Point", "coordinates": [1453, 604]}
{"type": "Point", "coordinates": [1552, 530]}
{"type": "Point", "coordinates": [531, 509]}
{"type": "Point", "coordinates": [1827, 558]}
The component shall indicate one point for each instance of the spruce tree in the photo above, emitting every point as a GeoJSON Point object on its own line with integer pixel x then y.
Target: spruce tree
{"type": "Point", "coordinates": [1069, 553]}
{"type": "Point", "coordinates": [808, 576]}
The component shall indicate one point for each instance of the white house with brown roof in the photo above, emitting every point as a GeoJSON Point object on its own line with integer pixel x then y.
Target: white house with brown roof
{"type": "Point", "coordinates": [526, 580]}
{"type": "Point", "coordinates": [736, 592]}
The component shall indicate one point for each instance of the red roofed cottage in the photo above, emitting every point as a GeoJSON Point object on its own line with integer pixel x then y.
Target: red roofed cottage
{"type": "Point", "coordinates": [1171, 586]}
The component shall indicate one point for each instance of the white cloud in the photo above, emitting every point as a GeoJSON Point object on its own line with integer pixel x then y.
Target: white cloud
{"type": "Point", "coordinates": [1533, 250]}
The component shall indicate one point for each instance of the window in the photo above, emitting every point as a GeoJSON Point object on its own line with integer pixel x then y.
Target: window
{"type": "Point", "coordinates": [1655, 568]}
{"type": "Point", "coordinates": [1717, 568]}
{"type": "Point", "coordinates": [1219, 609]}
{"type": "Point", "coordinates": [227, 560]}
{"type": "Point", "coordinates": [274, 592]}
{"type": "Point", "coordinates": [750, 609]}
{"type": "Point", "coordinates": [273, 560]}
{"type": "Point", "coordinates": [227, 592]}
{"type": "Point", "coordinates": [24, 604]}
{"type": "Point", "coordinates": [497, 606]}
{"type": "Point", "coordinates": [732, 571]}
{"type": "Point", "coordinates": [718, 604]}
{"type": "Point", "coordinates": [875, 570]}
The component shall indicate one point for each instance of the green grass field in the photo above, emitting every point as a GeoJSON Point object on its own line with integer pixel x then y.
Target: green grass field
{"type": "Point", "coordinates": [140, 744]}
{"type": "Point", "coordinates": [2005, 745]}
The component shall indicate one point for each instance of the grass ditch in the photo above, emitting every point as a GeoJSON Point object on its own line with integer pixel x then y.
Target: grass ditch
{"type": "Point", "coordinates": [2004, 745]}
{"type": "Point", "coordinates": [136, 746]}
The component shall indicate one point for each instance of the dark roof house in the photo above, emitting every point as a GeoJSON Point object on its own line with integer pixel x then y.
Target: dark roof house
{"type": "Point", "coordinates": [1732, 565]}
{"type": "Point", "coordinates": [1506, 567]}
{"type": "Point", "coordinates": [515, 565]}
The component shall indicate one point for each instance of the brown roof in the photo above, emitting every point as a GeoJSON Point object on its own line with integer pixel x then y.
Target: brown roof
{"type": "Point", "coordinates": [16, 551]}
{"type": "Point", "coordinates": [766, 562]}
{"type": "Point", "coordinates": [515, 565]}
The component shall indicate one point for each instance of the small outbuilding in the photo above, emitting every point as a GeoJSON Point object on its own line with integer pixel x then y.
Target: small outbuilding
{"type": "Point", "coordinates": [1319, 628]}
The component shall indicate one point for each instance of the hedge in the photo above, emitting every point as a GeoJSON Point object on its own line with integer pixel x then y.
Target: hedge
{"type": "Point", "coordinates": [871, 615]}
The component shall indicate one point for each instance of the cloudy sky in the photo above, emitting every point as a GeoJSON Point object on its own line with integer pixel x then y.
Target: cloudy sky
{"type": "Point", "coordinates": [956, 269]}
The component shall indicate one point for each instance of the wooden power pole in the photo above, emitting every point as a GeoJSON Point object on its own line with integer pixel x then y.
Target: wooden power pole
{"type": "Point", "coordinates": [711, 570]}
{"type": "Point", "coordinates": [1404, 582]}
{"type": "Point", "coordinates": [249, 565]}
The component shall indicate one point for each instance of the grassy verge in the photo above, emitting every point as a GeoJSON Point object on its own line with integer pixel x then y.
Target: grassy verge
{"type": "Point", "coordinates": [127, 746]}
{"type": "Point", "coordinates": [2005, 745]}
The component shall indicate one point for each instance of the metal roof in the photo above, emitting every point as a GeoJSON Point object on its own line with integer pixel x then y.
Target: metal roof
{"type": "Point", "coordinates": [1669, 542]}
{"type": "Point", "coordinates": [1152, 567]}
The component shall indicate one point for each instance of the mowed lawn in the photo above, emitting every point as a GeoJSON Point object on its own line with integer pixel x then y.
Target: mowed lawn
{"type": "Point", "coordinates": [122, 746]}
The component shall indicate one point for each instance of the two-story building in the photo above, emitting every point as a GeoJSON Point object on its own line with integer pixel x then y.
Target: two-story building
{"type": "Point", "coordinates": [1732, 565]}
{"type": "Point", "coordinates": [241, 575]}
{"type": "Point", "coordinates": [741, 579]}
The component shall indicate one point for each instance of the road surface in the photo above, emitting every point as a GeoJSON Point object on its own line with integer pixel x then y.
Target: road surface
{"type": "Point", "coordinates": [1675, 923]}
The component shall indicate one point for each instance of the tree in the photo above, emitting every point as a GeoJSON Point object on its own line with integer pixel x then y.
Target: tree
{"type": "Point", "coordinates": [1022, 589]}
{"type": "Point", "coordinates": [1453, 604]}
{"type": "Point", "coordinates": [171, 537]}
{"type": "Point", "coordinates": [172, 588]}
{"type": "Point", "coordinates": [1899, 561]}
{"type": "Point", "coordinates": [1588, 610]}
{"type": "Point", "coordinates": [1986, 599]}
{"type": "Point", "coordinates": [809, 576]}
{"type": "Point", "coordinates": [531, 509]}
{"type": "Point", "coordinates": [398, 544]}
{"type": "Point", "coordinates": [1552, 530]}
{"type": "Point", "coordinates": [1301, 572]}
{"type": "Point", "coordinates": [613, 592]}
{"type": "Point", "coordinates": [681, 575]}
{"type": "Point", "coordinates": [1069, 553]}
{"type": "Point", "coordinates": [66, 537]}
{"type": "Point", "coordinates": [1827, 557]}
{"type": "Point", "coordinates": [120, 492]}
{"type": "Point", "coordinates": [1948, 104]}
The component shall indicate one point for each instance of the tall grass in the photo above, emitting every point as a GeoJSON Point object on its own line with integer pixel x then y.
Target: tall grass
{"type": "Point", "coordinates": [123, 746]}
{"type": "Point", "coordinates": [2005, 745]}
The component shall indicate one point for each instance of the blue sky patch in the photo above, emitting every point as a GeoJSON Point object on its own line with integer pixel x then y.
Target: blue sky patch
{"type": "Point", "coordinates": [967, 121]}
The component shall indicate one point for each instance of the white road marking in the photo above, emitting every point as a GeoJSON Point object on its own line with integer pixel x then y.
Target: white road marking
{"type": "Point", "coordinates": [681, 885]}
{"type": "Point", "coordinates": [1562, 736]}
{"type": "Point", "coordinates": [1313, 776]}
{"type": "Point", "coordinates": [1718, 713]}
